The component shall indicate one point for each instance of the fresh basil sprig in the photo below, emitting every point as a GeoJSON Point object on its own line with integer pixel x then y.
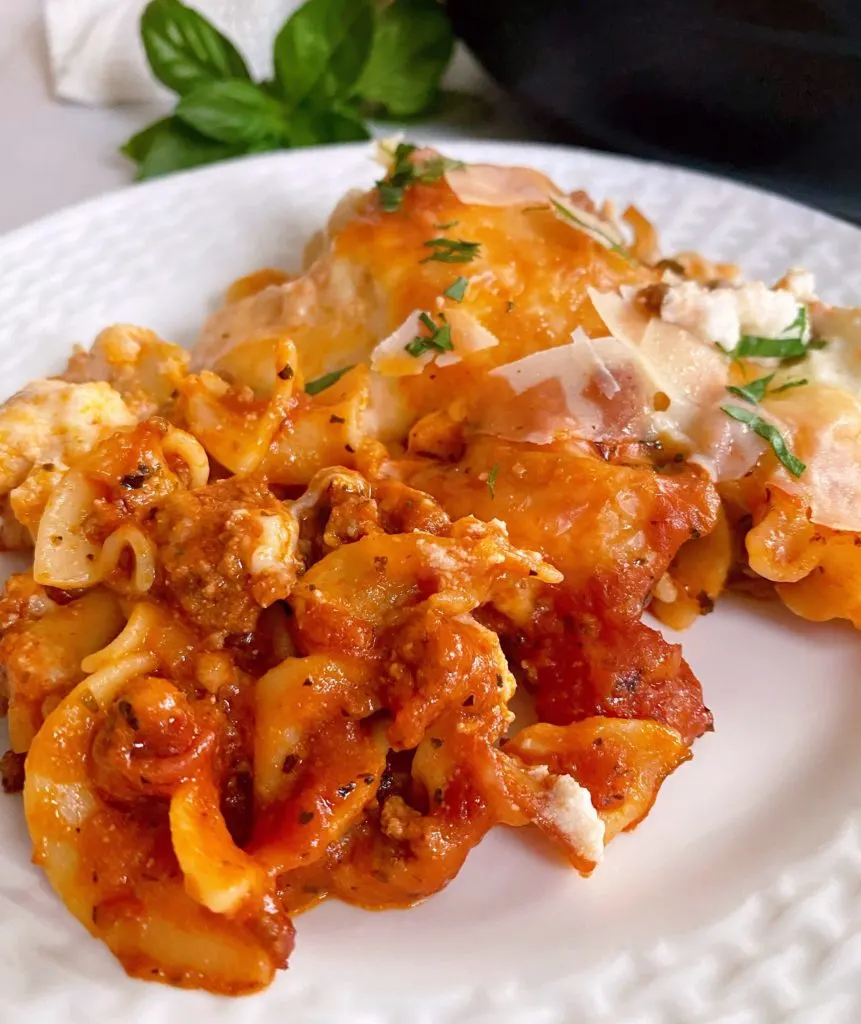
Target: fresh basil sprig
{"type": "Point", "coordinates": [322, 50]}
{"type": "Point", "coordinates": [412, 46]}
{"type": "Point", "coordinates": [335, 63]}
{"type": "Point", "coordinates": [185, 50]}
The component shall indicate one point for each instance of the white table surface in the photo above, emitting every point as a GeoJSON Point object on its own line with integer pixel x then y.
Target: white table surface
{"type": "Point", "coordinates": [55, 153]}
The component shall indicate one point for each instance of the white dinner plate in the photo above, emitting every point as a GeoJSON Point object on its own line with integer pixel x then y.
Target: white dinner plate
{"type": "Point", "coordinates": [739, 898]}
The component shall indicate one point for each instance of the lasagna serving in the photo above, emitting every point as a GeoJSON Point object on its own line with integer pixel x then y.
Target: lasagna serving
{"type": "Point", "coordinates": [285, 587]}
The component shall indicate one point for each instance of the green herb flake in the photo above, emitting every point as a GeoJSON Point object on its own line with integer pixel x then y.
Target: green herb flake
{"type": "Point", "coordinates": [753, 391]}
{"type": "Point", "coordinates": [491, 480]}
{"type": "Point", "coordinates": [768, 433]}
{"type": "Point", "coordinates": [457, 289]}
{"type": "Point", "coordinates": [447, 225]}
{"type": "Point", "coordinates": [595, 233]}
{"type": "Point", "coordinates": [799, 383]}
{"type": "Point", "coordinates": [406, 172]}
{"type": "Point", "coordinates": [438, 339]}
{"type": "Point", "coordinates": [314, 387]}
{"type": "Point", "coordinates": [791, 344]}
{"type": "Point", "coordinates": [451, 250]}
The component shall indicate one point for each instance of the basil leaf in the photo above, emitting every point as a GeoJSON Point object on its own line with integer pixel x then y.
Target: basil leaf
{"type": "Point", "coordinates": [790, 345]}
{"type": "Point", "coordinates": [176, 147]}
{"type": "Point", "coordinates": [412, 45]}
{"type": "Point", "coordinates": [184, 50]}
{"type": "Point", "coordinates": [314, 387]}
{"type": "Point", "coordinates": [768, 348]}
{"type": "Point", "coordinates": [451, 250]}
{"type": "Point", "coordinates": [308, 127]}
{"type": "Point", "coordinates": [322, 50]}
{"type": "Point", "coordinates": [137, 147]}
{"type": "Point", "coordinates": [232, 111]}
{"type": "Point", "coordinates": [753, 391]}
{"type": "Point", "coordinates": [768, 433]}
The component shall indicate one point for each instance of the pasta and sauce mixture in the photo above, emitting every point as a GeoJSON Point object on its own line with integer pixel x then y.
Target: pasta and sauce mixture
{"type": "Point", "coordinates": [285, 586]}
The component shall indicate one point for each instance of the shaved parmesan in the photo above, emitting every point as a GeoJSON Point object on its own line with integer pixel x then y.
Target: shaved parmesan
{"type": "Point", "coordinates": [467, 336]}
{"type": "Point", "coordinates": [622, 318]}
{"type": "Point", "coordinates": [594, 389]}
{"type": "Point", "coordinates": [693, 375]}
{"type": "Point", "coordinates": [599, 229]}
{"type": "Point", "coordinates": [487, 185]}
{"type": "Point", "coordinates": [390, 357]}
{"type": "Point", "coordinates": [826, 433]}
{"type": "Point", "coordinates": [650, 379]}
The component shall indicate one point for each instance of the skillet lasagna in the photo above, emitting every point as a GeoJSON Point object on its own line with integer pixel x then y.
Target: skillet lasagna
{"type": "Point", "coordinates": [285, 587]}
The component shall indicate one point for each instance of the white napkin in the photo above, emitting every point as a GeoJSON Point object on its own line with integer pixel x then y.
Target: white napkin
{"type": "Point", "coordinates": [97, 57]}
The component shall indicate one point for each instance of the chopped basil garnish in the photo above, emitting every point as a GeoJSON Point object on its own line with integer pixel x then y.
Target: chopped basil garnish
{"type": "Point", "coordinates": [768, 433]}
{"type": "Point", "coordinates": [457, 289]}
{"type": "Point", "coordinates": [491, 480]}
{"type": "Point", "coordinates": [439, 339]}
{"type": "Point", "coordinates": [602, 237]}
{"type": "Point", "coordinates": [451, 250]}
{"type": "Point", "coordinates": [314, 387]}
{"type": "Point", "coordinates": [753, 391]}
{"type": "Point", "coordinates": [405, 173]}
{"type": "Point", "coordinates": [791, 344]}
{"type": "Point", "coordinates": [769, 348]}
{"type": "Point", "coordinates": [790, 384]}
{"type": "Point", "coordinates": [447, 225]}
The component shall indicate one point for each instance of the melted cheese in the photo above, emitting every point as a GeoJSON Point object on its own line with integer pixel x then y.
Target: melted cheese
{"type": "Point", "coordinates": [54, 422]}
{"type": "Point", "coordinates": [568, 807]}
{"type": "Point", "coordinates": [723, 315]}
